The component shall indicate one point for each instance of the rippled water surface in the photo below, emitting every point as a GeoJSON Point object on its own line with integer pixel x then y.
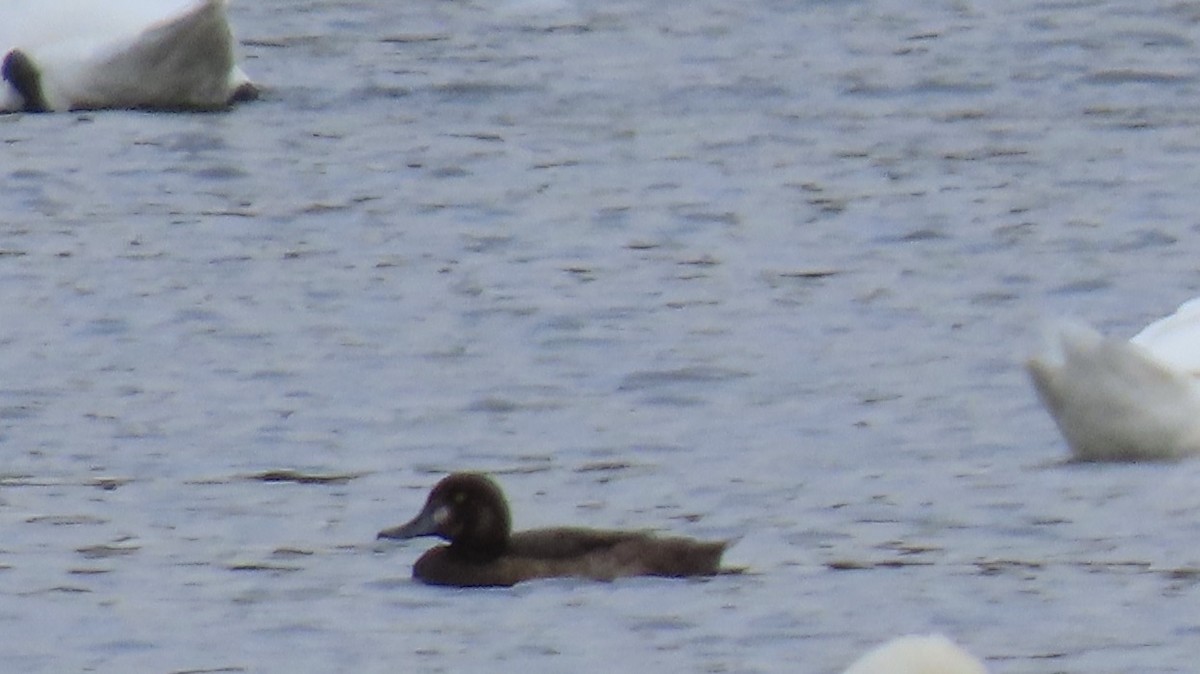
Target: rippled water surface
{"type": "Point", "coordinates": [759, 270]}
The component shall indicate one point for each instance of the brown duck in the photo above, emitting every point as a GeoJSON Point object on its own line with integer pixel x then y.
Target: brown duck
{"type": "Point", "coordinates": [470, 511]}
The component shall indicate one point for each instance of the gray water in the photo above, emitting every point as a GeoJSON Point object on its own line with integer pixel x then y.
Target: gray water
{"type": "Point", "coordinates": [759, 270]}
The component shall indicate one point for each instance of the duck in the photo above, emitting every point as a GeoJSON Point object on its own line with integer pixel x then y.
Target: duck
{"type": "Point", "coordinates": [917, 654]}
{"type": "Point", "coordinates": [1124, 401]}
{"type": "Point", "coordinates": [119, 54]}
{"type": "Point", "coordinates": [470, 511]}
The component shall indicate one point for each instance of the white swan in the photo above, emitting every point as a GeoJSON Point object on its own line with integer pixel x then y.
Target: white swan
{"type": "Point", "coordinates": [917, 654]}
{"type": "Point", "coordinates": [1125, 401]}
{"type": "Point", "coordinates": [89, 54]}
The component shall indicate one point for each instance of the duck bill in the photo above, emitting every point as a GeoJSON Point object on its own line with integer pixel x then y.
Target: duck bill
{"type": "Point", "coordinates": [424, 524]}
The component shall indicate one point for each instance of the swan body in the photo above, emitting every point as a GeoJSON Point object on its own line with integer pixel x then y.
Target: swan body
{"type": "Point", "coordinates": [1118, 400]}
{"type": "Point", "coordinates": [91, 54]}
{"type": "Point", "coordinates": [917, 654]}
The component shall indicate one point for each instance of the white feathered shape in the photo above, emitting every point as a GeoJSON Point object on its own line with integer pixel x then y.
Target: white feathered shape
{"type": "Point", "coordinates": [917, 654]}
{"type": "Point", "coordinates": [92, 54]}
{"type": "Point", "coordinates": [1125, 401]}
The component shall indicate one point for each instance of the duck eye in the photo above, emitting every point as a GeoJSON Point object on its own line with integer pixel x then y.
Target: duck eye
{"type": "Point", "coordinates": [441, 516]}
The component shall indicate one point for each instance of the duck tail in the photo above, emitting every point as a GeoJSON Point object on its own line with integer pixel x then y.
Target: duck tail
{"type": "Point", "coordinates": [1113, 400]}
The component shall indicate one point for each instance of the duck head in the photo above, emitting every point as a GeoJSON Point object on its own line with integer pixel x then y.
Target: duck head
{"type": "Point", "coordinates": [467, 509]}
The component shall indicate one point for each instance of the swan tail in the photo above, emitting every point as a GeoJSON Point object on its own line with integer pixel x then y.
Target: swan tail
{"type": "Point", "coordinates": [185, 62]}
{"type": "Point", "coordinates": [1113, 400]}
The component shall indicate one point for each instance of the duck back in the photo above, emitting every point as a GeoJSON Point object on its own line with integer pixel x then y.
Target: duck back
{"type": "Point", "coordinates": [613, 554]}
{"type": "Point", "coordinates": [573, 552]}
